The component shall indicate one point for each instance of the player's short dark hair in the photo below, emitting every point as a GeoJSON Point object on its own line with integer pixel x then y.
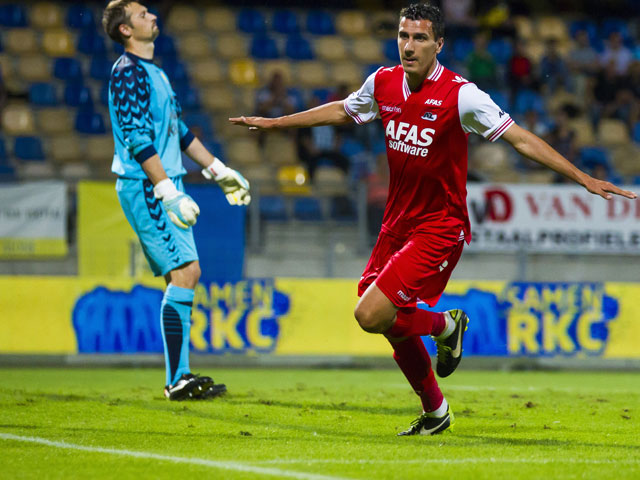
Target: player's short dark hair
{"type": "Point", "coordinates": [423, 11]}
{"type": "Point", "coordinates": [115, 15]}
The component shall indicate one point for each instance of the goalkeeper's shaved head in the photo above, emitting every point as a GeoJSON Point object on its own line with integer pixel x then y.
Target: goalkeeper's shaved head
{"type": "Point", "coordinates": [114, 15]}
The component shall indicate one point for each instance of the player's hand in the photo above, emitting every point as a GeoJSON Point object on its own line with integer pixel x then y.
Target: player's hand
{"type": "Point", "coordinates": [233, 184]}
{"type": "Point", "coordinates": [180, 207]}
{"type": "Point", "coordinates": [605, 189]}
{"type": "Point", "coordinates": [254, 123]}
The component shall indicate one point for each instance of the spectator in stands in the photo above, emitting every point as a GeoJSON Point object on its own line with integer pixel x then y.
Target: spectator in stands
{"type": "Point", "coordinates": [583, 62]}
{"type": "Point", "coordinates": [274, 99]}
{"type": "Point", "coordinates": [460, 17]}
{"type": "Point", "coordinates": [520, 70]}
{"type": "Point", "coordinates": [377, 191]}
{"type": "Point", "coordinates": [554, 72]}
{"type": "Point", "coordinates": [612, 97]}
{"type": "Point", "coordinates": [616, 55]}
{"type": "Point", "coordinates": [562, 137]}
{"type": "Point", "coordinates": [3, 93]}
{"type": "Point", "coordinates": [481, 66]}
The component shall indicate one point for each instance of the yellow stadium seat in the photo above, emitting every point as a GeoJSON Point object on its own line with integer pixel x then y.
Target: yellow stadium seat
{"type": "Point", "coordinates": [225, 129]}
{"type": "Point", "coordinates": [505, 176]}
{"type": "Point", "coordinates": [217, 98]}
{"type": "Point", "coordinates": [218, 19]}
{"type": "Point", "coordinates": [584, 132]}
{"type": "Point", "coordinates": [207, 72]}
{"type": "Point", "coordinates": [294, 180]}
{"type": "Point", "coordinates": [352, 23]}
{"type": "Point", "coordinates": [535, 50]}
{"type": "Point", "coordinates": [45, 15]}
{"type": "Point", "coordinates": [562, 97]}
{"type": "Point", "coordinates": [183, 18]}
{"type": "Point", "coordinates": [100, 152]}
{"type": "Point", "coordinates": [17, 119]}
{"type": "Point", "coordinates": [330, 181]}
{"type": "Point", "coordinates": [36, 171]}
{"type": "Point", "coordinates": [58, 43]}
{"type": "Point", "coordinates": [524, 27]}
{"type": "Point", "coordinates": [331, 47]}
{"type": "Point", "coordinates": [244, 151]}
{"type": "Point", "coordinates": [231, 45]}
{"type": "Point", "coordinates": [245, 99]}
{"type": "Point", "coordinates": [312, 74]}
{"type": "Point", "coordinates": [34, 68]}
{"type": "Point", "coordinates": [20, 41]}
{"type": "Point", "coordinates": [540, 176]}
{"type": "Point", "coordinates": [7, 68]}
{"type": "Point", "coordinates": [269, 67]}
{"type": "Point", "coordinates": [54, 121]}
{"type": "Point", "coordinates": [347, 73]}
{"type": "Point", "coordinates": [75, 171]}
{"type": "Point", "coordinates": [552, 28]}
{"type": "Point", "coordinates": [66, 149]}
{"type": "Point", "coordinates": [367, 49]}
{"type": "Point", "coordinates": [243, 72]}
{"type": "Point", "coordinates": [280, 149]}
{"type": "Point", "coordinates": [262, 177]}
{"type": "Point", "coordinates": [612, 132]}
{"type": "Point", "coordinates": [384, 24]}
{"type": "Point", "coordinates": [626, 159]}
{"type": "Point", "coordinates": [194, 45]}
{"type": "Point", "coordinates": [490, 158]}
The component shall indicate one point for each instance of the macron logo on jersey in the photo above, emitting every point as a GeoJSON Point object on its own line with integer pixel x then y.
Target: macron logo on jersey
{"type": "Point", "coordinates": [459, 79]}
{"type": "Point", "coordinates": [433, 101]}
{"type": "Point", "coordinates": [407, 138]}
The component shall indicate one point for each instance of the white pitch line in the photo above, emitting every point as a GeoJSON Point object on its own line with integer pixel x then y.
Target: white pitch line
{"type": "Point", "coordinates": [235, 466]}
{"type": "Point", "coordinates": [447, 461]}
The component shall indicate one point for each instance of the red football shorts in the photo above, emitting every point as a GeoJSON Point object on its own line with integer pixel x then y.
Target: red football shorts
{"type": "Point", "coordinates": [415, 267]}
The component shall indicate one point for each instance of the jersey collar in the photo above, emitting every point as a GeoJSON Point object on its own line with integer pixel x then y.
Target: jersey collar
{"type": "Point", "coordinates": [435, 75]}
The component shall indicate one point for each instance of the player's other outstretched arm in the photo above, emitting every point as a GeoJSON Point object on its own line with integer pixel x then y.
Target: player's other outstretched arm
{"type": "Point", "coordinates": [533, 147]}
{"type": "Point", "coordinates": [332, 113]}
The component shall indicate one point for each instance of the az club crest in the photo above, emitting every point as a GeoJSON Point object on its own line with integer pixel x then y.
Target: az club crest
{"type": "Point", "coordinates": [429, 116]}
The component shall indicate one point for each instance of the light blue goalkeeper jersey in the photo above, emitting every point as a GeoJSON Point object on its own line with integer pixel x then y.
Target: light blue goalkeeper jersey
{"type": "Point", "coordinates": [145, 118]}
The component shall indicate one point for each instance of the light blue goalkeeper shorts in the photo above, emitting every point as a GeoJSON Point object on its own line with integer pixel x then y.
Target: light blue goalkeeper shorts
{"type": "Point", "coordinates": [165, 245]}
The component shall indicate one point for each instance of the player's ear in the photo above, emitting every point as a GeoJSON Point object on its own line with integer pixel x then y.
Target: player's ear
{"type": "Point", "coordinates": [125, 30]}
{"type": "Point", "coordinates": [439, 44]}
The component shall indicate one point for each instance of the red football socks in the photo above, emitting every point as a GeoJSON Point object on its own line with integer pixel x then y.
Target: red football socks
{"type": "Point", "coordinates": [413, 359]}
{"type": "Point", "coordinates": [415, 321]}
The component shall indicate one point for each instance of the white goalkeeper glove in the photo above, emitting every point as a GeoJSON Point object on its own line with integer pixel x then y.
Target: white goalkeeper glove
{"type": "Point", "coordinates": [232, 183]}
{"type": "Point", "coordinates": [180, 207]}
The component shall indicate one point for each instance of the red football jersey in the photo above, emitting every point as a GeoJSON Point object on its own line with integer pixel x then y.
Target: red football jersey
{"type": "Point", "coordinates": [426, 139]}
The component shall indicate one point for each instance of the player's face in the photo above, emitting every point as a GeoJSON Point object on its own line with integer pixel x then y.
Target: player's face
{"type": "Point", "coordinates": [417, 45]}
{"type": "Point", "coordinates": [143, 23]}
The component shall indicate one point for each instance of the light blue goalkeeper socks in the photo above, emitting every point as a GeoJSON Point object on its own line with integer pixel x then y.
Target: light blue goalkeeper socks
{"type": "Point", "coordinates": [175, 320]}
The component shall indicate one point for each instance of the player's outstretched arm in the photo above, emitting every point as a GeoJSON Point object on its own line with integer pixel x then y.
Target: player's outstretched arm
{"type": "Point", "coordinates": [332, 113]}
{"type": "Point", "coordinates": [533, 147]}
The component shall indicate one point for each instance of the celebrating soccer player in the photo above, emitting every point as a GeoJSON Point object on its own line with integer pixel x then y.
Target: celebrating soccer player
{"type": "Point", "coordinates": [149, 135]}
{"type": "Point", "coordinates": [427, 112]}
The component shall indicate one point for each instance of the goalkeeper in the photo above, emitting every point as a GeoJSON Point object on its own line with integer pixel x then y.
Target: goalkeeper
{"type": "Point", "coordinates": [149, 135]}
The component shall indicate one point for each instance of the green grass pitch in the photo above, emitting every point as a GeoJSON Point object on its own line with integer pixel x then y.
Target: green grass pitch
{"type": "Point", "coordinates": [317, 425]}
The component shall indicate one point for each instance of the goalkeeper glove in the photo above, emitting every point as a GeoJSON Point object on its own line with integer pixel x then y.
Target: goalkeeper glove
{"type": "Point", "coordinates": [232, 183]}
{"type": "Point", "coordinates": [180, 207]}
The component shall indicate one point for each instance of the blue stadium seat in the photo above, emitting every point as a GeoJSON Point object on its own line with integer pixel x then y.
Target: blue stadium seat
{"type": "Point", "coordinates": [343, 209]}
{"type": "Point", "coordinates": [80, 17]}
{"type": "Point", "coordinates": [462, 47]}
{"type": "Point", "coordinates": [273, 207]}
{"type": "Point", "coordinates": [90, 122]}
{"type": "Point", "coordinates": [322, 94]}
{"type": "Point", "coordinates": [175, 70]}
{"type": "Point", "coordinates": [7, 173]}
{"type": "Point", "coordinates": [1, 49]}
{"type": "Point", "coordinates": [298, 48]}
{"type": "Point", "coordinates": [13, 15]}
{"type": "Point", "coordinates": [307, 208]}
{"type": "Point", "coordinates": [591, 157]}
{"type": "Point", "coordinates": [264, 47]}
{"type": "Point", "coordinates": [252, 21]}
{"type": "Point", "coordinates": [4, 158]}
{"type": "Point", "coordinates": [351, 147]}
{"type": "Point", "coordinates": [390, 50]}
{"type": "Point", "coordinates": [100, 67]}
{"type": "Point", "coordinates": [591, 28]}
{"type": "Point", "coordinates": [67, 68]}
{"type": "Point", "coordinates": [636, 132]}
{"type": "Point", "coordinates": [285, 21]}
{"type": "Point", "coordinates": [28, 148]}
{"type": "Point", "coordinates": [501, 49]}
{"type": "Point", "coordinates": [118, 49]}
{"type": "Point", "coordinates": [500, 98]}
{"type": "Point", "coordinates": [43, 94]}
{"type": "Point", "coordinates": [636, 180]}
{"type": "Point", "coordinates": [78, 95]}
{"type": "Point", "coordinates": [165, 47]}
{"type": "Point", "coordinates": [320, 23]}
{"type": "Point", "coordinates": [187, 96]}
{"type": "Point", "coordinates": [528, 100]}
{"type": "Point", "coordinates": [199, 121]}
{"type": "Point", "coordinates": [104, 94]}
{"type": "Point", "coordinates": [91, 43]}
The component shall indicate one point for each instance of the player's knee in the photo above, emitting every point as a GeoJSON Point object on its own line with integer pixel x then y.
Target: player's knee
{"type": "Point", "coordinates": [368, 320]}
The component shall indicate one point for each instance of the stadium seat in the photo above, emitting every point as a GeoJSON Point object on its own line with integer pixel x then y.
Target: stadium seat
{"type": "Point", "coordinates": [91, 43]}
{"type": "Point", "coordinates": [13, 16]}
{"type": "Point", "coordinates": [244, 151]}
{"type": "Point", "coordinates": [626, 159]}
{"type": "Point", "coordinates": [104, 94]}
{"type": "Point", "coordinates": [330, 181]}
{"type": "Point", "coordinates": [90, 123]}
{"type": "Point", "coordinates": [78, 95]}
{"type": "Point", "coordinates": [390, 50]}
{"type": "Point", "coordinates": [264, 47]}
{"type": "Point", "coordinates": [352, 23]}
{"type": "Point", "coordinates": [539, 177]}
{"type": "Point", "coordinates": [262, 177]}
{"type": "Point", "coordinates": [462, 47]}
{"type": "Point", "coordinates": [552, 28]}
{"type": "Point", "coordinates": [636, 133]}
{"type": "Point", "coordinates": [17, 119]}
{"type": "Point", "coordinates": [200, 123]}
{"type": "Point", "coordinates": [612, 132]}
{"type": "Point", "coordinates": [583, 127]}
{"type": "Point", "coordinates": [165, 47]}
{"type": "Point", "coordinates": [307, 209]}
{"type": "Point", "coordinates": [280, 149]}
{"type": "Point", "coordinates": [54, 121]}
{"type": "Point", "coordinates": [217, 98]}
{"type": "Point", "coordinates": [273, 208]}
{"type": "Point", "coordinates": [4, 157]}
{"type": "Point", "coordinates": [347, 73]}
{"type": "Point", "coordinates": [188, 96]}
{"type": "Point", "coordinates": [99, 152]}
{"type": "Point", "coordinates": [285, 21]}
{"type": "Point", "coordinates": [500, 98]}
{"type": "Point", "coordinates": [58, 43]}
{"type": "Point", "coordinates": [219, 19]}
{"type": "Point", "coordinates": [491, 158]}
{"type": "Point", "coordinates": [194, 45]}
{"type": "Point", "coordinates": [251, 21]}
{"type": "Point", "coordinates": [21, 41]}
{"type": "Point", "coordinates": [100, 68]}
{"type": "Point", "coordinates": [298, 48]}
{"type": "Point", "coordinates": [331, 47]}
{"type": "Point", "coordinates": [43, 94]}
{"type": "Point", "coordinates": [367, 50]}
{"type": "Point", "coordinates": [68, 69]}
{"type": "Point", "coordinates": [524, 27]}
{"type": "Point", "coordinates": [320, 23]}
{"type": "Point", "coordinates": [183, 18]}
{"type": "Point", "coordinates": [28, 148]}
{"type": "Point", "coordinates": [528, 100]}
{"type": "Point", "coordinates": [80, 16]}
{"type": "Point", "coordinates": [384, 24]}
{"type": "Point", "coordinates": [44, 15]}
{"type": "Point", "coordinates": [591, 157]}
{"type": "Point", "coordinates": [231, 45]}
{"type": "Point", "coordinates": [33, 68]}
{"type": "Point", "coordinates": [501, 49]}
{"type": "Point", "coordinates": [207, 72]}
{"type": "Point", "coordinates": [293, 180]}
{"type": "Point", "coordinates": [175, 70]}
{"type": "Point", "coordinates": [243, 72]}
{"type": "Point", "coordinates": [75, 171]}
{"type": "Point", "coordinates": [65, 149]}
{"type": "Point", "coordinates": [342, 209]}
{"type": "Point", "coordinates": [269, 67]}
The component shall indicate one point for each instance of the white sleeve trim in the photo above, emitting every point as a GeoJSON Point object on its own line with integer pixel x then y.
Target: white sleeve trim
{"type": "Point", "coordinates": [362, 105]}
{"type": "Point", "coordinates": [479, 114]}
